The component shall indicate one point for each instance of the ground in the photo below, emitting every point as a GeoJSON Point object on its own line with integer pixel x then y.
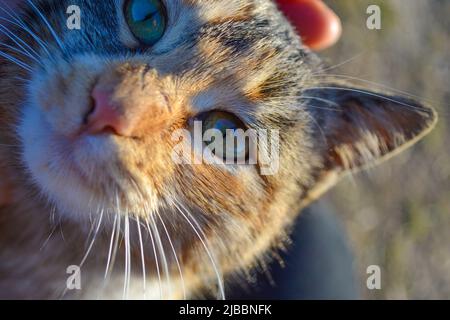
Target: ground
{"type": "Point", "coordinates": [398, 214]}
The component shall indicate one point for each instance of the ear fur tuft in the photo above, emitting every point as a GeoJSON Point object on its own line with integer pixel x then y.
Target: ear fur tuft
{"type": "Point", "coordinates": [363, 127]}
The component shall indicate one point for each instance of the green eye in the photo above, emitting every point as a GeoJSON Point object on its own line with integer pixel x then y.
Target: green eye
{"type": "Point", "coordinates": [146, 19]}
{"type": "Point", "coordinates": [227, 124]}
{"type": "Point", "coordinates": [221, 121]}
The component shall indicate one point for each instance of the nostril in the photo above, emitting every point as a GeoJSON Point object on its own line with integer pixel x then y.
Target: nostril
{"type": "Point", "coordinates": [110, 129]}
{"type": "Point", "coordinates": [104, 115]}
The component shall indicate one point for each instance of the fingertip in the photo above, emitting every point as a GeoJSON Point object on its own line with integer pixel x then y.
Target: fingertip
{"type": "Point", "coordinates": [332, 31]}
{"type": "Point", "coordinates": [318, 26]}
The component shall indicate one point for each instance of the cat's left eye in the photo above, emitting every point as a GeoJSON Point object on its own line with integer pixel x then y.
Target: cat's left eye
{"type": "Point", "coordinates": [146, 19]}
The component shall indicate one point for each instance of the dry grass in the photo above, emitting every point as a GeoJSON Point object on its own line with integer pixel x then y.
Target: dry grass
{"type": "Point", "coordinates": [398, 215]}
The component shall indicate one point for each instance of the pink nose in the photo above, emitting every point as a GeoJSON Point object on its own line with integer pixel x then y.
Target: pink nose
{"type": "Point", "coordinates": [105, 118]}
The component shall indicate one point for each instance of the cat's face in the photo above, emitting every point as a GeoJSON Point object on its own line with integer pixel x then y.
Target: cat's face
{"type": "Point", "coordinates": [211, 56]}
{"type": "Point", "coordinates": [156, 67]}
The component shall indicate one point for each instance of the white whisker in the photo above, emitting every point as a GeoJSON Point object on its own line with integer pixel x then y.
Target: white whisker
{"type": "Point", "coordinates": [22, 52]}
{"type": "Point", "coordinates": [174, 254]}
{"type": "Point", "coordinates": [83, 260]}
{"type": "Point", "coordinates": [22, 26]}
{"type": "Point", "coordinates": [50, 28]}
{"type": "Point", "coordinates": [161, 251]}
{"type": "Point", "coordinates": [379, 85]}
{"type": "Point", "coordinates": [144, 277]}
{"type": "Point", "coordinates": [117, 237]}
{"type": "Point", "coordinates": [93, 239]}
{"type": "Point", "coordinates": [111, 246]}
{"type": "Point", "coordinates": [47, 239]}
{"type": "Point", "coordinates": [16, 61]}
{"type": "Point", "coordinates": [327, 101]}
{"type": "Point", "coordinates": [127, 258]}
{"type": "Point", "coordinates": [19, 42]}
{"type": "Point", "coordinates": [208, 251]}
{"type": "Point", "coordinates": [339, 64]}
{"type": "Point", "coordinates": [322, 132]}
{"type": "Point", "coordinates": [156, 258]}
{"type": "Point", "coordinates": [369, 94]}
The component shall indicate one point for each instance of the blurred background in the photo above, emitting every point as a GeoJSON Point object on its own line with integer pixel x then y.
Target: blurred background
{"type": "Point", "coordinates": [397, 216]}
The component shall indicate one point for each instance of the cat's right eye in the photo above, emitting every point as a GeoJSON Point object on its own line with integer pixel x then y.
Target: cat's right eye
{"type": "Point", "coordinates": [146, 19]}
{"type": "Point", "coordinates": [229, 126]}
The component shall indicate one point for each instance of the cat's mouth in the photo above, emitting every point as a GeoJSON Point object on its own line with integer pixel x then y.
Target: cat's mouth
{"type": "Point", "coordinates": [100, 164]}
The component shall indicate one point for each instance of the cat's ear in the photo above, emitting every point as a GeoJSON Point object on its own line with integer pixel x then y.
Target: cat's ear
{"type": "Point", "coordinates": [355, 128]}
{"type": "Point", "coordinates": [360, 128]}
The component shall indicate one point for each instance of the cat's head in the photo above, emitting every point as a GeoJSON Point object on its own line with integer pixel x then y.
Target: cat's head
{"type": "Point", "coordinates": [98, 111]}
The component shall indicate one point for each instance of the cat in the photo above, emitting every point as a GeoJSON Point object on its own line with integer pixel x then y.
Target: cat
{"type": "Point", "coordinates": [99, 208]}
